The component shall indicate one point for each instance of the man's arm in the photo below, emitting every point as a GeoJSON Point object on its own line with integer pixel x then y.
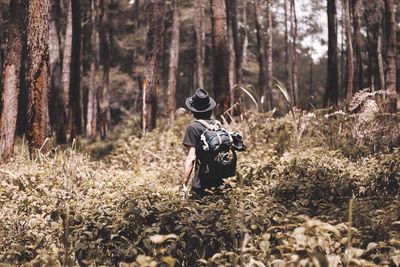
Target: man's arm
{"type": "Point", "coordinates": [189, 164]}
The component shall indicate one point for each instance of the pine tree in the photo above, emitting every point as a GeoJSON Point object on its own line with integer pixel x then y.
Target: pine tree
{"type": "Point", "coordinates": [173, 62]}
{"type": "Point", "coordinates": [332, 88]}
{"type": "Point", "coordinates": [391, 100]}
{"type": "Point", "coordinates": [151, 83]}
{"type": "Point", "coordinates": [221, 56]}
{"type": "Point", "coordinates": [36, 74]}
{"type": "Point", "coordinates": [10, 80]}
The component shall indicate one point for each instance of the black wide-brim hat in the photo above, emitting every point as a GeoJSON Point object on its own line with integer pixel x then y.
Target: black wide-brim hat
{"type": "Point", "coordinates": [200, 101]}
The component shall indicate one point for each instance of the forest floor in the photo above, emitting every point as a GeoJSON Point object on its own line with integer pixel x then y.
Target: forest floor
{"type": "Point", "coordinates": [315, 190]}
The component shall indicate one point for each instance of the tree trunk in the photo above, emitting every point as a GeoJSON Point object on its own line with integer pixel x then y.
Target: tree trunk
{"type": "Point", "coordinates": [173, 62]}
{"type": "Point", "coordinates": [350, 54]}
{"type": "Point", "coordinates": [36, 76]}
{"type": "Point", "coordinates": [10, 79]}
{"type": "Point", "coordinates": [91, 121]}
{"type": "Point", "coordinates": [232, 64]}
{"type": "Point", "coordinates": [287, 52]}
{"type": "Point", "coordinates": [75, 105]}
{"type": "Point", "coordinates": [342, 90]}
{"type": "Point", "coordinates": [236, 40]}
{"type": "Point", "coordinates": [293, 33]}
{"type": "Point", "coordinates": [268, 92]}
{"type": "Point", "coordinates": [358, 85]}
{"type": "Point", "coordinates": [381, 68]}
{"type": "Point", "coordinates": [221, 56]}
{"type": "Point", "coordinates": [236, 55]}
{"type": "Point", "coordinates": [103, 95]}
{"type": "Point", "coordinates": [63, 131]}
{"type": "Point", "coordinates": [151, 83]}
{"type": "Point", "coordinates": [55, 67]}
{"type": "Point", "coordinates": [260, 47]}
{"type": "Point", "coordinates": [332, 88]}
{"type": "Point", "coordinates": [245, 39]}
{"type": "Point", "coordinates": [391, 98]}
{"type": "Point", "coordinates": [200, 47]}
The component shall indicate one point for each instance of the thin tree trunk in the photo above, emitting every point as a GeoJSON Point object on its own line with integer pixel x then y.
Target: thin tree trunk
{"type": "Point", "coordinates": [232, 64]}
{"type": "Point", "coordinates": [36, 76]}
{"type": "Point", "coordinates": [371, 66]}
{"type": "Point", "coordinates": [332, 87]}
{"type": "Point", "coordinates": [151, 83]}
{"type": "Point", "coordinates": [311, 81]}
{"type": "Point", "coordinates": [260, 47]}
{"type": "Point", "coordinates": [236, 41]}
{"type": "Point", "coordinates": [380, 57]}
{"type": "Point", "coordinates": [293, 31]}
{"type": "Point", "coordinates": [103, 95]}
{"type": "Point", "coordinates": [10, 80]}
{"type": "Point", "coordinates": [63, 133]}
{"type": "Point", "coordinates": [245, 39]}
{"type": "Point", "coordinates": [55, 66]}
{"type": "Point", "coordinates": [91, 121]}
{"type": "Point", "coordinates": [221, 56]}
{"type": "Point", "coordinates": [287, 53]}
{"type": "Point", "coordinates": [268, 92]}
{"type": "Point", "coordinates": [391, 98]}
{"type": "Point", "coordinates": [358, 85]}
{"type": "Point", "coordinates": [200, 47]}
{"type": "Point", "coordinates": [173, 62]}
{"type": "Point", "coordinates": [75, 100]}
{"type": "Point", "coordinates": [350, 54]}
{"type": "Point", "coordinates": [343, 90]}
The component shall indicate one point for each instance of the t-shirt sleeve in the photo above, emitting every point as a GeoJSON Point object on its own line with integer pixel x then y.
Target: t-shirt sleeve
{"type": "Point", "coordinates": [190, 137]}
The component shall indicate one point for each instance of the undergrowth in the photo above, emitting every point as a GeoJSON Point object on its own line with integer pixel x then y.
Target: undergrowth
{"type": "Point", "coordinates": [288, 205]}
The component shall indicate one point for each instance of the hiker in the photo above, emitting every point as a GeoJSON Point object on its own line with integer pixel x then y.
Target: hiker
{"type": "Point", "coordinates": [201, 106]}
{"type": "Point", "coordinates": [208, 171]}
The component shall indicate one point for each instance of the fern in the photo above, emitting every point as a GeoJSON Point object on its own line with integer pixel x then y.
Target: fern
{"type": "Point", "coordinates": [250, 92]}
{"type": "Point", "coordinates": [361, 96]}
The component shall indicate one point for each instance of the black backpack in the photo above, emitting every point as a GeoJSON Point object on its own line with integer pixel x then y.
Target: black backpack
{"type": "Point", "coordinates": [218, 151]}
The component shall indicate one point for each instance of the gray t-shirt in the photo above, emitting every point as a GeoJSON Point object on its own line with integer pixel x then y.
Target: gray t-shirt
{"type": "Point", "coordinates": [192, 139]}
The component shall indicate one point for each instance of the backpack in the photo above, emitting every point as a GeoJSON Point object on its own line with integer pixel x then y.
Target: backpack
{"type": "Point", "coordinates": [218, 151]}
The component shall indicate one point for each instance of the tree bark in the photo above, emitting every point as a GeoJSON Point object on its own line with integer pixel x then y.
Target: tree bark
{"type": "Point", "coordinates": [358, 85]}
{"type": "Point", "coordinates": [391, 98]}
{"type": "Point", "coordinates": [245, 38]}
{"type": "Point", "coordinates": [63, 131]}
{"type": "Point", "coordinates": [55, 67]}
{"type": "Point", "coordinates": [91, 121]}
{"type": "Point", "coordinates": [260, 47]}
{"type": "Point", "coordinates": [350, 54]}
{"type": "Point", "coordinates": [293, 33]}
{"type": "Point", "coordinates": [173, 62]}
{"type": "Point", "coordinates": [75, 103]}
{"type": "Point", "coordinates": [200, 47]}
{"type": "Point", "coordinates": [287, 51]}
{"type": "Point", "coordinates": [332, 88]}
{"type": "Point", "coordinates": [103, 95]}
{"type": "Point", "coordinates": [221, 56]}
{"type": "Point", "coordinates": [236, 54]}
{"type": "Point", "coordinates": [36, 76]}
{"type": "Point", "coordinates": [268, 92]}
{"type": "Point", "coordinates": [151, 83]}
{"type": "Point", "coordinates": [10, 79]}
{"type": "Point", "coordinates": [236, 40]}
{"type": "Point", "coordinates": [381, 68]}
{"type": "Point", "coordinates": [232, 57]}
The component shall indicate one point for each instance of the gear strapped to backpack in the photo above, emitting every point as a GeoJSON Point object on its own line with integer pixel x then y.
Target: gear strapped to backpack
{"type": "Point", "coordinates": [218, 150]}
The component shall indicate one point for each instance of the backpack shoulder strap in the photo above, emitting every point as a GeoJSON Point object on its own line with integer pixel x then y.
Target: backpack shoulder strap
{"type": "Point", "coordinates": [215, 126]}
{"type": "Point", "coordinates": [206, 124]}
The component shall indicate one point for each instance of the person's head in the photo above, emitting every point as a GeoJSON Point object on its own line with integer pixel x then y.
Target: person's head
{"type": "Point", "coordinates": [200, 104]}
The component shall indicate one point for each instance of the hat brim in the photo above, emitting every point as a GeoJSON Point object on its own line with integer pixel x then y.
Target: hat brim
{"type": "Point", "coordinates": [210, 107]}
